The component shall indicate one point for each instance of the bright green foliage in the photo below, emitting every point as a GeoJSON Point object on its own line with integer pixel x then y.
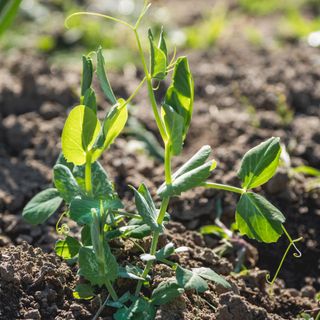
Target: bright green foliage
{"type": "Point", "coordinates": [42, 206]}
{"type": "Point", "coordinates": [68, 248]}
{"type": "Point", "coordinates": [103, 79]}
{"type": "Point", "coordinates": [89, 100]}
{"type": "Point", "coordinates": [158, 57]}
{"type": "Point", "coordinates": [90, 266]}
{"type": "Point", "coordinates": [166, 292]}
{"type": "Point", "coordinates": [8, 11]}
{"type": "Point", "coordinates": [259, 219]}
{"type": "Point", "coordinates": [112, 126]}
{"type": "Point", "coordinates": [165, 252]}
{"type": "Point", "coordinates": [79, 133]}
{"type": "Point", "coordinates": [260, 163]}
{"type": "Point", "coordinates": [65, 182]}
{"type": "Point", "coordinates": [180, 94]}
{"type": "Point", "coordinates": [188, 180]}
{"type": "Point", "coordinates": [174, 123]}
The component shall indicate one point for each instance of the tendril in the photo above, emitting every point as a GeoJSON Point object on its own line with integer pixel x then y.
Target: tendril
{"type": "Point", "coordinates": [296, 254]}
{"type": "Point", "coordinates": [64, 228]}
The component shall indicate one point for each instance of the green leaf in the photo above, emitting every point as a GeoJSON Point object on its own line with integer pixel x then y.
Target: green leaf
{"type": "Point", "coordinates": [190, 280]}
{"type": "Point", "coordinates": [101, 185]}
{"type": "Point", "coordinates": [139, 232]}
{"type": "Point", "coordinates": [187, 180]}
{"type": "Point", "coordinates": [180, 94]}
{"type": "Point", "coordinates": [87, 73]}
{"type": "Point", "coordinates": [112, 126]}
{"type": "Point", "coordinates": [258, 219]}
{"type": "Point", "coordinates": [79, 133]}
{"type": "Point", "coordinates": [174, 126]}
{"type": "Point", "coordinates": [103, 79]}
{"type": "Point", "coordinates": [68, 248]}
{"type": "Point", "coordinates": [131, 272]}
{"type": "Point", "coordinates": [42, 206]}
{"type": "Point", "coordinates": [146, 207]}
{"type": "Point", "coordinates": [166, 291]}
{"type": "Point", "coordinates": [209, 274]}
{"type": "Point", "coordinates": [80, 210]}
{"type": "Point", "coordinates": [86, 235]}
{"type": "Point", "coordinates": [165, 252]}
{"type": "Point", "coordinates": [89, 266]}
{"type": "Point", "coordinates": [197, 160]}
{"type": "Point", "coordinates": [62, 160]}
{"type": "Point", "coordinates": [89, 100]}
{"type": "Point", "coordinates": [162, 43]}
{"type": "Point", "coordinates": [307, 170]}
{"type": "Point", "coordinates": [83, 291]}
{"type": "Point", "coordinates": [141, 309]}
{"type": "Point", "coordinates": [65, 182]}
{"type": "Point", "coordinates": [158, 57]}
{"type": "Point", "coordinates": [214, 229]}
{"type": "Point", "coordinates": [8, 13]}
{"type": "Point", "coordinates": [260, 163]}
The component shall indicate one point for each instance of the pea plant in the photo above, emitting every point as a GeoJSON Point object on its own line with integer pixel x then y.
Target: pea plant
{"type": "Point", "coordinates": [91, 200]}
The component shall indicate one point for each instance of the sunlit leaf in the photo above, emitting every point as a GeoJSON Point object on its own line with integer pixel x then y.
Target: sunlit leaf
{"type": "Point", "coordinates": [166, 291]}
{"type": "Point", "coordinates": [158, 58]}
{"type": "Point", "coordinates": [260, 163]}
{"type": "Point", "coordinates": [258, 219]}
{"type": "Point", "coordinates": [68, 248]}
{"type": "Point", "coordinates": [190, 280]}
{"type": "Point", "coordinates": [87, 73]}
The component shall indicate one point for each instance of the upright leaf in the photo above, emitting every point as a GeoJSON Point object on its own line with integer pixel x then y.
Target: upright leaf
{"type": "Point", "coordinates": [101, 184]}
{"type": "Point", "coordinates": [87, 73]}
{"type": "Point", "coordinates": [112, 126]}
{"type": "Point", "coordinates": [146, 207]}
{"type": "Point", "coordinates": [174, 126]}
{"type": "Point", "coordinates": [187, 180]}
{"type": "Point", "coordinates": [79, 133]}
{"type": "Point", "coordinates": [103, 79]}
{"type": "Point", "coordinates": [180, 94]}
{"type": "Point", "coordinates": [42, 206]}
{"type": "Point", "coordinates": [260, 163]}
{"type": "Point", "coordinates": [258, 219]}
{"type": "Point", "coordinates": [65, 182]}
{"type": "Point", "coordinates": [89, 100]}
{"type": "Point", "coordinates": [158, 57]}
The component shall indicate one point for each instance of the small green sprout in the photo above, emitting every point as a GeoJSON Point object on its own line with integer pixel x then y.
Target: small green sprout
{"type": "Point", "coordinates": [91, 199]}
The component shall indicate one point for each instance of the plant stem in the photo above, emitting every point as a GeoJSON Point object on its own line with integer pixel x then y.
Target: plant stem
{"type": "Point", "coordinates": [136, 90]}
{"type": "Point", "coordinates": [219, 186]}
{"type": "Point", "coordinates": [101, 308]}
{"type": "Point", "coordinates": [88, 182]}
{"type": "Point", "coordinates": [112, 292]}
{"type": "Point", "coordinates": [150, 89]}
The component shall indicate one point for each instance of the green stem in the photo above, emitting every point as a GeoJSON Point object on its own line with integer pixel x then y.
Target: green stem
{"type": "Point", "coordinates": [219, 186]}
{"type": "Point", "coordinates": [88, 182]}
{"type": "Point", "coordinates": [136, 90]}
{"type": "Point", "coordinates": [296, 254]}
{"type": "Point", "coordinates": [150, 89]}
{"type": "Point", "coordinates": [111, 290]}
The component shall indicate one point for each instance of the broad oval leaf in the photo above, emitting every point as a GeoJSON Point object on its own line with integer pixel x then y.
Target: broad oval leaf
{"type": "Point", "coordinates": [209, 274]}
{"type": "Point", "coordinates": [65, 182]}
{"type": "Point", "coordinates": [42, 206]}
{"type": "Point", "coordinates": [190, 280]}
{"type": "Point", "coordinates": [258, 219]}
{"type": "Point", "coordinates": [112, 126]}
{"type": "Point", "coordinates": [180, 94]}
{"type": "Point", "coordinates": [83, 291]}
{"type": "Point", "coordinates": [140, 309]}
{"type": "Point", "coordinates": [68, 248]}
{"type": "Point", "coordinates": [166, 251]}
{"type": "Point", "coordinates": [187, 180]}
{"type": "Point", "coordinates": [80, 210]}
{"type": "Point", "coordinates": [165, 292]}
{"type": "Point", "coordinates": [260, 163]}
{"type": "Point", "coordinates": [103, 79]}
{"type": "Point", "coordinates": [79, 134]}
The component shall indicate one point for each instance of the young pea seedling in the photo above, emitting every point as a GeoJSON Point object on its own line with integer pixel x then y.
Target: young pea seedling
{"type": "Point", "coordinates": [92, 202]}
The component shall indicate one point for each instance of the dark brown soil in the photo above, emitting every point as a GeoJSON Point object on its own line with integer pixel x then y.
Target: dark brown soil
{"type": "Point", "coordinates": [230, 80]}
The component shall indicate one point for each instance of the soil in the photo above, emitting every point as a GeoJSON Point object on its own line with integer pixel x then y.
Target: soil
{"type": "Point", "coordinates": [240, 95]}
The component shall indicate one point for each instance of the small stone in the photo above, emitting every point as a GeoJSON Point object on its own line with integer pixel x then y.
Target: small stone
{"type": "Point", "coordinates": [33, 314]}
{"type": "Point", "coordinates": [308, 292]}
